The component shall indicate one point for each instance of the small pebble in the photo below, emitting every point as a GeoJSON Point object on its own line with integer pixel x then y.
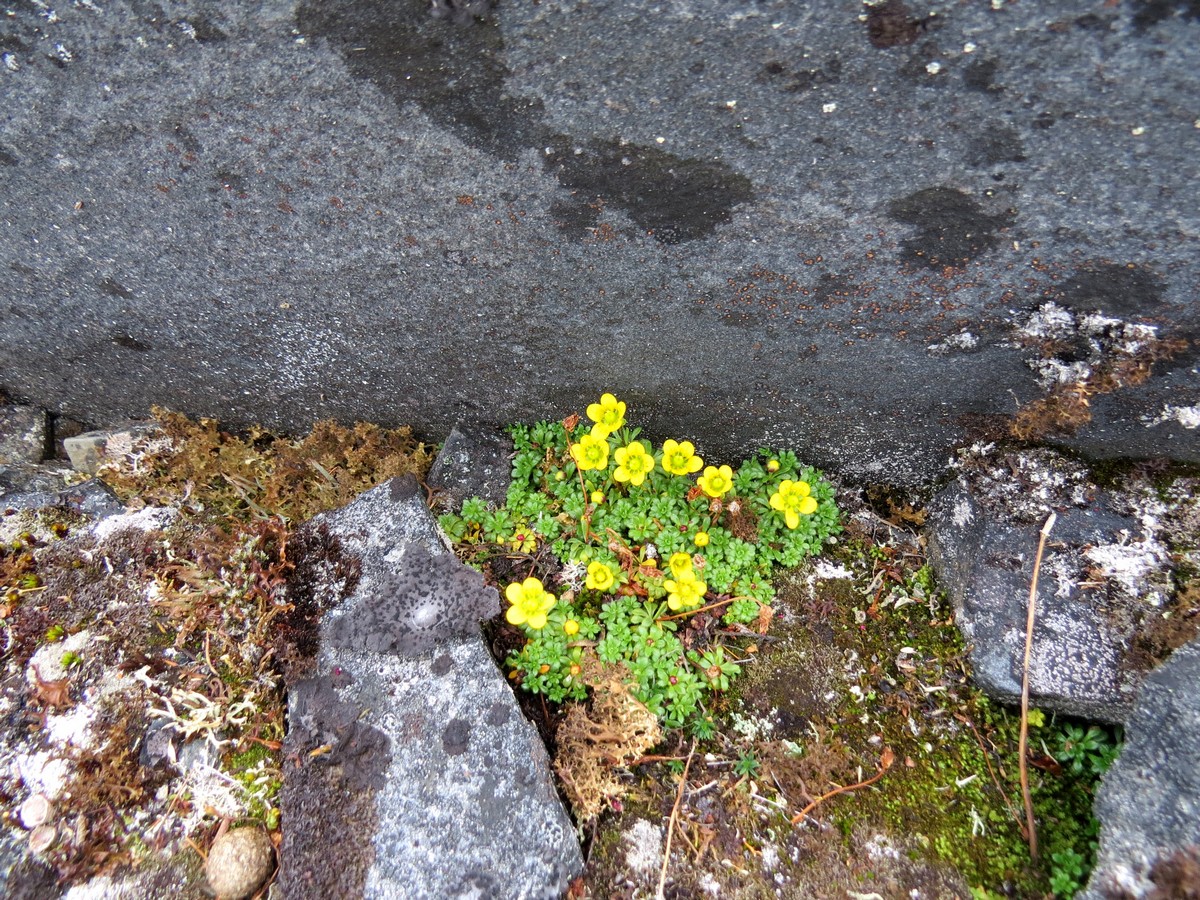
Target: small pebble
{"type": "Point", "coordinates": [42, 838]}
{"type": "Point", "coordinates": [35, 811]}
{"type": "Point", "coordinates": [239, 863]}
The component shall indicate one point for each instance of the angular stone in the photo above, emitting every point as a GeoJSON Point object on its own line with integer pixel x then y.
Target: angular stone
{"type": "Point", "coordinates": [471, 463]}
{"type": "Point", "coordinates": [39, 487]}
{"type": "Point", "coordinates": [1149, 801]}
{"type": "Point", "coordinates": [418, 774]}
{"type": "Point", "coordinates": [29, 479]}
{"type": "Point", "coordinates": [24, 435]}
{"type": "Point", "coordinates": [985, 566]}
{"type": "Point", "coordinates": [86, 451]}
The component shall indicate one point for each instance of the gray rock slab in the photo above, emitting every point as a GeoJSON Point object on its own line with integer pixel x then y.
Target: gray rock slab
{"type": "Point", "coordinates": [427, 780]}
{"type": "Point", "coordinates": [24, 435]}
{"type": "Point", "coordinates": [985, 566]}
{"type": "Point", "coordinates": [821, 226]}
{"type": "Point", "coordinates": [1149, 801]}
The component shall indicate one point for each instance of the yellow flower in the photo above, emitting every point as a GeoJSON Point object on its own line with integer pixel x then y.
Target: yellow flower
{"type": "Point", "coordinates": [600, 577]}
{"type": "Point", "coordinates": [633, 463]}
{"type": "Point", "coordinates": [571, 627]}
{"type": "Point", "coordinates": [680, 459]}
{"type": "Point", "coordinates": [530, 603]}
{"type": "Point", "coordinates": [680, 564]}
{"type": "Point", "coordinates": [523, 540]}
{"type": "Point", "coordinates": [793, 500]}
{"type": "Point", "coordinates": [592, 450]}
{"type": "Point", "coordinates": [716, 482]}
{"type": "Point", "coordinates": [685, 592]}
{"type": "Point", "coordinates": [701, 539]}
{"type": "Point", "coordinates": [608, 414]}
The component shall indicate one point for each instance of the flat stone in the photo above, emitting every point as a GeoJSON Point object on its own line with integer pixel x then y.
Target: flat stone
{"type": "Point", "coordinates": [86, 451]}
{"type": "Point", "coordinates": [1148, 803]}
{"type": "Point", "coordinates": [418, 775]}
{"type": "Point", "coordinates": [24, 435]}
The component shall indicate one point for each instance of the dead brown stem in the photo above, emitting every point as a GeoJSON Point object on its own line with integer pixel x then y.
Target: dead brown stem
{"type": "Point", "coordinates": [662, 875]}
{"type": "Point", "coordinates": [885, 762]}
{"type": "Point", "coordinates": [1022, 745]}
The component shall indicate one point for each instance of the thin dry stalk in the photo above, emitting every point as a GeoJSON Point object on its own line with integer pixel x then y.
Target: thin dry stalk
{"type": "Point", "coordinates": [699, 609]}
{"type": "Point", "coordinates": [1022, 745]}
{"type": "Point", "coordinates": [662, 875]}
{"type": "Point", "coordinates": [885, 762]}
{"type": "Point", "coordinates": [996, 781]}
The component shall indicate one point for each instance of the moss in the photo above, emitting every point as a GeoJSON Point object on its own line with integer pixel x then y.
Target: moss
{"type": "Point", "coordinates": [196, 465]}
{"type": "Point", "coordinates": [874, 660]}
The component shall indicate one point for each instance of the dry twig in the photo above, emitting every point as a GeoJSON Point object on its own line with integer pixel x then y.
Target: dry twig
{"type": "Point", "coordinates": [1024, 741]}
{"type": "Point", "coordinates": [662, 875]}
{"type": "Point", "coordinates": [885, 762]}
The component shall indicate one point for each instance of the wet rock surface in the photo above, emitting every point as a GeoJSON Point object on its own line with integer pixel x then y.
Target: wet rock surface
{"type": "Point", "coordinates": [816, 226]}
{"type": "Point", "coordinates": [415, 766]}
{"type": "Point", "coordinates": [1149, 801]}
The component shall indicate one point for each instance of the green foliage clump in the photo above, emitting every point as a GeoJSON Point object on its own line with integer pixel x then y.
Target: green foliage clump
{"type": "Point", "coordinates": [661, 561]}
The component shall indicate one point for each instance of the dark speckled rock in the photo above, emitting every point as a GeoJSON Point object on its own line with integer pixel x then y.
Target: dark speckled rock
{"type": "Point", "coordinates": [1078, 663]}
{"type": "Point", "coordinates": [1149, 802]}
{"type": "Point", "coordinates": [430, 783]}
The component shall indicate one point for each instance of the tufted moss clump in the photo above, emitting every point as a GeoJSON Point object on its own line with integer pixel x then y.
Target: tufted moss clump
{"type": "Point", "coordinates": [195, 464]}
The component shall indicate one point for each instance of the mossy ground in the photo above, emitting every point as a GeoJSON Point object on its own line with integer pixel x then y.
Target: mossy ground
{"type": "Point", "coordinates": [863, 658]}
{"type": "Point", "coordinates": [862, 662]}
{"type": "Point", "coordinates": [189, 624]}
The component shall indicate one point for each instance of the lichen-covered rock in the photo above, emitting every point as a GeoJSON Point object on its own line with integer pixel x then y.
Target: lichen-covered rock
{"type": "Point", "coordinates": [1149, 801]}
{"type": "Point", "coordinates": [985, 564]}
{"type": "Point", "coordinates": [417, 774]}
{"type": "Point", "coordinates": [426, 600]}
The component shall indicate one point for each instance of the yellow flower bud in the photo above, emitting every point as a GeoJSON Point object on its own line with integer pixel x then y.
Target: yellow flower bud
{"type": "Point", "coordinates": [571, 626]}
{"type": "Point", "coordinates": [772, 465]}
{"type": "Point", "coordinates": [701, 539]}
{"type": "Point", "coordinates": [597, 496]}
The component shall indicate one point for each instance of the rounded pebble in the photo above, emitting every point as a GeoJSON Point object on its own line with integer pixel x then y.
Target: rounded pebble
{"type": "Point", "coordinates": [35, 811]}
{"type": "Point", "coordinates": [239, 863]}
{"type": "Point", "coordinates": [42, 838]}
